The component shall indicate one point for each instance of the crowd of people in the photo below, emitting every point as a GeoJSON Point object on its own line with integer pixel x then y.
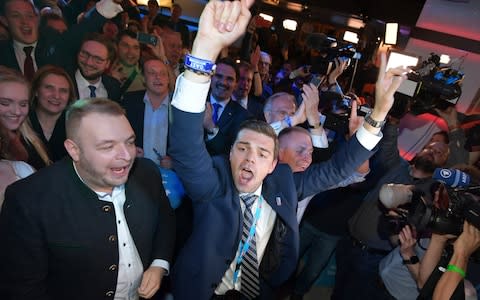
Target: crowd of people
{"type": "Point", "coordinates": [187, 167]}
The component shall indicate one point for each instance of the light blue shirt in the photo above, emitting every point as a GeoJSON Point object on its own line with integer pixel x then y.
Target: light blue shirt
{"type": "Point", "coordinates": [155, 129]}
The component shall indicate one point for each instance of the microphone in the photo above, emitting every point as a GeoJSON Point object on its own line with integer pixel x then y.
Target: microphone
{"type": "Point", "coordinates": [451, 177]}
{"type": "Point", "coordinates": [393, 195]}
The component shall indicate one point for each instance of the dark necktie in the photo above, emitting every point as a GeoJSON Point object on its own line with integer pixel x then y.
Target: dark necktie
{"type": "Point", "coordinates": [216, 108]}
{"type": "Point", "coordinates": [250, 285]}
{"type": "Point", "coordinates": [92, 91]}
{"type": "Point", "coordinates": [28, 68]}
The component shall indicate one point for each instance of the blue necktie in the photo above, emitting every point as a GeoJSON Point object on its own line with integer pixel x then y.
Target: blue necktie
{"type": "Point", "coordinates": [250, 285]}
{"type": "Point", "coordinates": [215, 117]}
{"type": "Point", "coordinates": [92, 91]}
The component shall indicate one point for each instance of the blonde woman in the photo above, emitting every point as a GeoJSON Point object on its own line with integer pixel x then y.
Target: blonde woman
{"type": "Point", "coordinates": [23, 142]}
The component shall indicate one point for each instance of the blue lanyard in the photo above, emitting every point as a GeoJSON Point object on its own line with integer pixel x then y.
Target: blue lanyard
{"type": "Point", "coordinates": [243, 248]}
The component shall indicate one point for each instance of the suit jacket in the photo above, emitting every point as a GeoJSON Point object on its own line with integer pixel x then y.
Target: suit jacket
{"type": "Point", "coordinates": [232, 117]}
{"type": "Point", "coordinates": [62, 239]}
{"type": "Point", "coordinates": [134, 106]}
{"type": "Point", "coordinates": [212, 246]}
{"type": "Point", "coordinates": [255, 107]}
{"type": "Point", "coordinates": [55, 48]}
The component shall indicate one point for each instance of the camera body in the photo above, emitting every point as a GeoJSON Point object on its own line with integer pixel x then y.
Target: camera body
{"type": "Point", "coordinates": [432, 86]}
{"type": "Point", "coordinates": [328, 49]}
{"type": "Point", "coordinates": [455, 205]}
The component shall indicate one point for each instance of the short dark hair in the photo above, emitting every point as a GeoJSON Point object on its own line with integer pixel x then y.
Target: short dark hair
{"type": "Point", "coordinates": [444, 135]}
{"type": "Point", "coordinates": [245, 65]}
{"type": "Point", "coordinates": [83, 107]}
{"type": "Point", "coordinates": [261, 127]}
{"type": "Point", "coordinates": [3, 8]}
{"type": "Point", "coordinates": [126, 32]}
{"type": "Point", "coordinates": [100, 38]}
{"type": "Point", "coordinates": [229, 62]}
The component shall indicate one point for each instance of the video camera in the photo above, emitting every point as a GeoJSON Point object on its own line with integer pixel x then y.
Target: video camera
{"type": "Point", "coordinates": [328, 49]}
{"type": "Point", "coordinates": [457, 201]}
{"type": "Point", "coordinates": [431, 85]}
{"type": "Point", "coordinates": [337, 109]}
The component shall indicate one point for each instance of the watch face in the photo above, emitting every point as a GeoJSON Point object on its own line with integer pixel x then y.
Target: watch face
{"type": "Point", "coordinates": [414, 259]}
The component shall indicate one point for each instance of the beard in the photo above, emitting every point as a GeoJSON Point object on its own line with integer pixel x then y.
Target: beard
{"type": "Point", "coordinates": [92, 77]}
{"type": "Point", "coordinates": [424, 164]}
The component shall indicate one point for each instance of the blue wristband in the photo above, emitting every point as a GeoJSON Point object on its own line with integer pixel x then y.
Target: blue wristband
{"type": "Point", "coordinates": [199, 66]}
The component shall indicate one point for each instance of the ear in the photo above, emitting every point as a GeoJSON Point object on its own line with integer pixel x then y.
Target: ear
{"type": "Point", "coordinates": [108, 64]}
{"type": "Point", "coordinates": [72, 149]}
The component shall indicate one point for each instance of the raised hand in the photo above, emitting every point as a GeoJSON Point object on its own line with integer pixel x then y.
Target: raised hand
{"type": "Point", "coordinates": [221, 23]}
{"type": "Point", "coordinates": [387, 84]}
{"type": "Point", "coordinates": [311, 100]}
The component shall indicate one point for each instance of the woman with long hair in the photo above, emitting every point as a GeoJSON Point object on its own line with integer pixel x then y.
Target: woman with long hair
{"type": "Point", "coordinates": [23, 142]}
{"type": "Point", "coordinates": [52, 92]}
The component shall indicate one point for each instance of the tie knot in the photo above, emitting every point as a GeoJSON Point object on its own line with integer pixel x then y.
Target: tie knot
{"type": "Point", "coordinates": [92, 91]}
{"type": "Point", "coordinates": [28, 50]}
{"type": "Point", "coordinates": [249, 199]}
{"type": "Point", "coordinates": [216, 106]}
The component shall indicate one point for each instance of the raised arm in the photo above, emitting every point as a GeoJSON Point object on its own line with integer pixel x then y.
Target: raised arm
{"type": "Point", "coordinates": [221, 23]}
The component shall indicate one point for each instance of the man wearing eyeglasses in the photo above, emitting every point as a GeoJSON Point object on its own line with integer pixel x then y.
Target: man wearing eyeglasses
{"type": "Point", "coordinates": [93, 59]}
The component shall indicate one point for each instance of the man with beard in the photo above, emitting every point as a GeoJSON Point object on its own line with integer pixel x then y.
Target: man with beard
{"type": "Point", "coordinates": [97, 225]}
{"type": "Point", "coordinates": [94, 58]}
{"type": "Point", "coordinates": [358, 256]}
{"type": "Point", "coordinates": [223, 116]}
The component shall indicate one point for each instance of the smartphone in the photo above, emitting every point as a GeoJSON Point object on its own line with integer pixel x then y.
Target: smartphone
{"type": "Point", "coordinates": [145, 38]}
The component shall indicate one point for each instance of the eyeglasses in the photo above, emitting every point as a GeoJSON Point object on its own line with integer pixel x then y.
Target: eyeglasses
{"type": "Point", "coordinates": [96, 59]}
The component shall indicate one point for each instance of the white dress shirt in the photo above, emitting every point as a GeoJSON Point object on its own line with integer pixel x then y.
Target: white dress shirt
{"type": "Point", "coordinates": [130, 267]}
{"type": "Point", "coordinates": [84, 91]}
{"type": "Point", "coordinates": [263, 231]}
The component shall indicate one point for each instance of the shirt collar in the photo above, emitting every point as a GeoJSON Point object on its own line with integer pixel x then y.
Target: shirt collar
{"type": "Point", "coordinates": [165, 100]}
{"type": "Point", "coordinates": [221, 103]}
{"type": "Point", "coordinates": [102, 195]}
{"type": "Point", "coordinates": [258, 192]}
{"type": "Point", "coordinates": [83, 83]}
{"type": "Point", "coordinates": [19, 45]}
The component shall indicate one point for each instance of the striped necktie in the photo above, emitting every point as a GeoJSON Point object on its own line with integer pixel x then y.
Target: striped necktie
{"type": "Point", "coordinates": [250, 284]}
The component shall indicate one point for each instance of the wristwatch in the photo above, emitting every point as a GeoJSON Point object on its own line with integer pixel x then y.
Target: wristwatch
{"type": "Point", "coordinates": [413, 260]}
{"type": "Point", "coordinates": [374, 123]}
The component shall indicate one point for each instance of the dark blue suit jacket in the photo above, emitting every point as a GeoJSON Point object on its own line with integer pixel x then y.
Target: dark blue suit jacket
{"type": "Point", "coordinates": [134, 106]}
{"type": "Point", "coordinates": [212, 246]}
{"type": "Point", "coordinates": [232, 117]}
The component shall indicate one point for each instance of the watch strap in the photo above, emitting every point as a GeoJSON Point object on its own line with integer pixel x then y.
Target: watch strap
{"type": "Point", "coordinates": [374, 123]}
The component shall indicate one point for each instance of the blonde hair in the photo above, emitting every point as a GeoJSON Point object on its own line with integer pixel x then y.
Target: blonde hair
{"type": "Point", "coordinates": [25, 130]}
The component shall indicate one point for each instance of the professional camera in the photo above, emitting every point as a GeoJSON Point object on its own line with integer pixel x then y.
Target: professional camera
{"type": "Point", "coordinates": [337, 108]}
{"type": "Point", "coordinates": [328, 49]}
{"type": "Point", "coordinates": [445, 216]}
{"type": "Point", "coordinates": [431, 86]}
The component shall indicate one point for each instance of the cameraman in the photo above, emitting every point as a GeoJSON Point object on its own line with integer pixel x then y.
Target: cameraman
{"type": "Point", "coordinates": [358, 257]}
{"type": "Point", "coordinates": [464, 246]}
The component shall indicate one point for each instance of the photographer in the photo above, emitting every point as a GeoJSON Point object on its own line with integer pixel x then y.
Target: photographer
{"type": "Point", "coordinates": [358, 257]}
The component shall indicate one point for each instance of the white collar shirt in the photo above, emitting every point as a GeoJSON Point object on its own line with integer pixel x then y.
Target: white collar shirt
{"type": "Point", "coordinates": [84, 90]}
{"type": "Point", "coordinates": [263, 231]}
{"type": "Point", "coordinates": [21, 56]}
